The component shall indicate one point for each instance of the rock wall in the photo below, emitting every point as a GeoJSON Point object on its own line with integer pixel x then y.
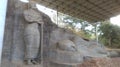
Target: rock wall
{"type": "Point", "coordinates": [61, 47]}
{"type": "Point", "coordinates": [14, 45]}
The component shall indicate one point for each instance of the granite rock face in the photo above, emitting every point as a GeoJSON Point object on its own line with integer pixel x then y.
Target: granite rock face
{"type": "Point", "coordinates": [70, 49]}
{"type": "Point", "coordinates": [60, 48]}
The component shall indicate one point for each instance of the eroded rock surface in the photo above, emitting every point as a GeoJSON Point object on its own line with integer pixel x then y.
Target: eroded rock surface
{"type": "Point", "coordinates": [61, 47]}
{"type": "Point", "coordinates": [68, 48]}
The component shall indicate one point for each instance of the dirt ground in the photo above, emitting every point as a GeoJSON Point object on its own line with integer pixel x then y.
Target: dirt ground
{"type": "Point", "coordinates": [101, 62]}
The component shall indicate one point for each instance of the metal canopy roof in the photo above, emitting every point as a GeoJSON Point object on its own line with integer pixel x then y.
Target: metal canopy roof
{"type": "Point", "coordinates": [89, 10]}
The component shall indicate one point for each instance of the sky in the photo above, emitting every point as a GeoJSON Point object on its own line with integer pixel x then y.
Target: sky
{"type": "Point", "coordinates": [3, 5]}
{"type": "Point", "coordinates": [115, 20]}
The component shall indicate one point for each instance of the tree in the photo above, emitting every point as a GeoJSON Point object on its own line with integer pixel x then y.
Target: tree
{"type": "Point", "coordinates": [110, 34]}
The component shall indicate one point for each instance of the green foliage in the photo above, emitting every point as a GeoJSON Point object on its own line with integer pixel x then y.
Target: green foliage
{"type": "Point", "coordinates": [110, 35]}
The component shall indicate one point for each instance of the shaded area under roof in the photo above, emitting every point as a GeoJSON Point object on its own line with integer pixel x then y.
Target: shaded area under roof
{"type": "Point", "coordinates": [89, 10]}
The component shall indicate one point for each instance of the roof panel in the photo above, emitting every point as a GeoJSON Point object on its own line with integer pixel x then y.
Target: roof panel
{"type": "Point", "coordinates": [90, 10]}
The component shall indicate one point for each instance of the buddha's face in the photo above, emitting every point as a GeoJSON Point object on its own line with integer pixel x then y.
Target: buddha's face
{"type": "Point", "coordinates": [31, 15]}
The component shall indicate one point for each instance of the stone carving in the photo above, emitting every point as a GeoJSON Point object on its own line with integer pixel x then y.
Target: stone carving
{"type": "Point", "coordinates": [67, 45]}
{"type": "Point", "coordinates": [32, 36]}
{"type": "Point", "coordinates": [70, 49]}
{"type": "Point", "coordinates": [32, 15]}
{"type": "Point", "coordinates": [66, 48]}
